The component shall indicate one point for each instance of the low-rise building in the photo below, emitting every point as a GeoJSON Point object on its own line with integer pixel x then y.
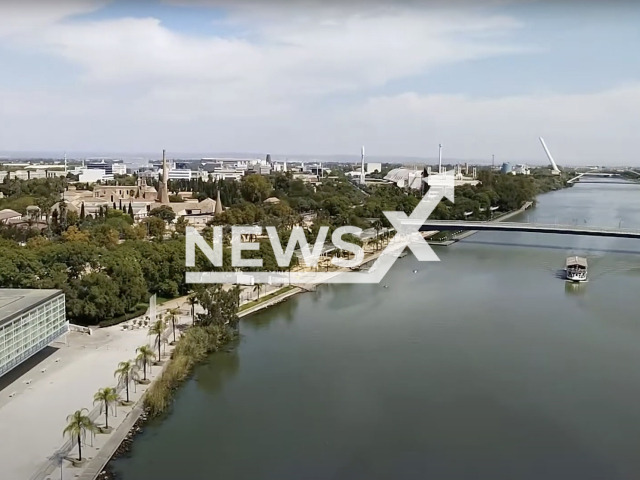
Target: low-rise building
{"type": "Point", "coordinates": [119, 169]}
{"type": "Point", "coordinates": [92, 175]}
{"type": "Point", "coordinates": [405, 178]}
{"type": "Point", "coordinates": [29, 321]}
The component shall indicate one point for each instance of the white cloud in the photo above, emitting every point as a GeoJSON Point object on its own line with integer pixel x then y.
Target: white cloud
{"type": "Point", "coordinates": [145, 87]}
{"type": "Point", "coordinates": [293, 57]}
{"type": "Point", "coordinates": [589, 128]}
{"type": "Point", "coordinates": [28, 17]}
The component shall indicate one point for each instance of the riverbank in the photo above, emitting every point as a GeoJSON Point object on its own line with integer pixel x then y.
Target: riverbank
{"type": "Point", "coordinates": [276, 297]}
{"type": "Point", "coordinates": [468, 233]}
{"type": "Point", "coordinates": [262, 396]}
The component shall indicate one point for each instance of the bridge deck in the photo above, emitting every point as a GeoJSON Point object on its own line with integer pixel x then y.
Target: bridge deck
{"type": "Point", "coordinates": [448, 225]}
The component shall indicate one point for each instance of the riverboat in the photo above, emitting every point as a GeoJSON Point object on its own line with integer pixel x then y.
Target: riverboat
{"type": "Point", "coordinates": [576, 269]}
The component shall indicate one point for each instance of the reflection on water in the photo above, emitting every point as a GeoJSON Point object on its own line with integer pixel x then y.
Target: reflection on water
{"type": "Point", "coordinates": [212, 375]}
{"type": "Point", "coordinates": [572, 288]}
{"type": "Point", "coordinates": [483, 365]}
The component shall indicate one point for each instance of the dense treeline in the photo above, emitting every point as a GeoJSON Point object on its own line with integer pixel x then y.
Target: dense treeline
{"type": "Point", "coordinates": [108, 266]}
{"type": "Point", "coordinates": [19, 194]}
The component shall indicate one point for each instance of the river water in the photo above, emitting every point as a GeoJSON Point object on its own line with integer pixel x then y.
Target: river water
{"type": "Point", "coordinates": [484, 365]}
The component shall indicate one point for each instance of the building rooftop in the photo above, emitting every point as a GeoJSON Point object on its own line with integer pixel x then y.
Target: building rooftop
{"type": "Point", "coordinates": [8, 213]}
{"type": "Point", "coordinates": [14, 301]}
{"type": "Point", "coordinates": [579, 261]}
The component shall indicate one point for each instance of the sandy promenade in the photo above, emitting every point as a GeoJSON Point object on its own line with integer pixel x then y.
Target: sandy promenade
{"type": "Point", "coordinates": [32, 420]}
{"type": "Point", "coordinates": [34, 403]}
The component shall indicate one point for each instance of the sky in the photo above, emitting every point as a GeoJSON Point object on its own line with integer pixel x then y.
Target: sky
{"type": "Point", "coordinates": [324, 77]}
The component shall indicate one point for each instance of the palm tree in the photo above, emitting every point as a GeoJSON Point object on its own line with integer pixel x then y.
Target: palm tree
{"type": "Point", "coordinates": [106, 397]}
{"type": "Point", "coordinates": [157, 329]}
{"type": "Point", "coordinates": [192, 300]}
{"type": "Point", "coordinates": [173, 316]}
{"type": "Point", "coordinates": [144, 358]}
{"type": "Point", "coordinates": [378, 226]}
{"type": "Point", "coordinates": [78, 424]}
{"type": "Point", "coordinates": [126, 373]}
{"type": "Point", "coordinates": [257, 288]}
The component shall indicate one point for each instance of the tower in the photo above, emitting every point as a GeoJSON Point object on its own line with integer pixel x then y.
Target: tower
{"type": "Point", "coordinates": [362, 175]}
{"type": "Point", "coordinates": [218, 208]}
{"type": "Point", "coordinates": [439, 158]}
{"type": "Point", "coordinates": [554, 168]}
{"type": "Point", "coordinates": [163, 187]}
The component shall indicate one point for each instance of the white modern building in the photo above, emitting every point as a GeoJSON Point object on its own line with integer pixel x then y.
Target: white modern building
{"type": "Point", "coordinates": [181, 174]}
{"type": "Point", "coordinates": [405, 178]}
{"type": "Point", "coordinates": [521, 170]}
{"type": "Point", "coordinates": [119, 169]}
{"type": "Point", "coordinates": [372, 167]}
{"type": "Point", "coordinates": [92, 176]}
{"type": "Point", "coordinates": [29, 321]}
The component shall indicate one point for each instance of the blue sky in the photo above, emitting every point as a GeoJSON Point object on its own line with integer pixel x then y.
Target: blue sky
{"type": "Point", "coordinates": [247, 77]}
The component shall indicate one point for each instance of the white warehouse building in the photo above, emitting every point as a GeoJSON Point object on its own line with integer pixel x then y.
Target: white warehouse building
{"type": "Point", "coordinates": [29, 321]}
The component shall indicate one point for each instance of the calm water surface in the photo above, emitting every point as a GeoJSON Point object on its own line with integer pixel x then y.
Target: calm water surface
{"type": "Point", "coordinates": [484, 365]}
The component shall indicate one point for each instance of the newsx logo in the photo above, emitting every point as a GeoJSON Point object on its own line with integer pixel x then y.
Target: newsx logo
{"type": "Point", "coordinates": [283, 257]}
{"type": "Point", "coordinates": [407, 234]}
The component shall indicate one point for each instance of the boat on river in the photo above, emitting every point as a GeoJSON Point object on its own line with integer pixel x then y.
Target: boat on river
{"type": "Point", "coordinates": [576, 269]}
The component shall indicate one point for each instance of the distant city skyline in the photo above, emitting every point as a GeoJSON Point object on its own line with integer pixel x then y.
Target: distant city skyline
{"type": "Point", "coordinates": [143, 158]}
{"type": "Point", "coordinates": [323, 78]}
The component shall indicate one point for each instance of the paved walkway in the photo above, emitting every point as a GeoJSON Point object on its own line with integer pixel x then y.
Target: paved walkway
{"type": "Point", "coordinates": [97, 464]}
{"type": "Point", "coordinates": [100, 448]}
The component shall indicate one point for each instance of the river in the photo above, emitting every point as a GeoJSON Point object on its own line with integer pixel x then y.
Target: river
{"type": "Point", "coordinates": [484, 365]}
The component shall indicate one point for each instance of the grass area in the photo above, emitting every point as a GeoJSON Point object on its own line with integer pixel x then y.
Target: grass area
{"type": "Point", "coordinates": [191, 349]}
{"type": "Point", "coordinates": [265, 298]}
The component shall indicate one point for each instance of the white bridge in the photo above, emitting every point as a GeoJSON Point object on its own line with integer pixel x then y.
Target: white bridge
{"type": "Point", "coordinates": [583, 177]}
{"type": "Point", "coordinates": [583, 230]}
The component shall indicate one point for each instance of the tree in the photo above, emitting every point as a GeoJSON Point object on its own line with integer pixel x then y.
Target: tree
{"type": "Point", "coordinates": [145, 357]}
{"type": "Point", "coordinates": [158, 329]}
{"type": "Point", "coordinates": [130, 211]}
{"type": "Point", "coordinates": [220, 306]}
{"type": "Point", "coordinates": [45, 204]}
{"type": "Point", "coordinates": [181, 226]}
{"type": "Point", "coordinates": [164, 212]}
{"type": "Point", "coordinates": [155, 227]}
{"type": "Point", "coordinates": [256, 288]}
{"type": "Point", "coordinates": [193, 301]}
{"type": "Point", "coordinates": [105, 235]}
{"type": "Point", "coordinates": [106, 397]}
{"type": "Point", "coordinates": [82, 214]}
{"type": "Point", "coordinates": [78, 424]}
{"type": "Point", "coordinates": [377, 225]}
{"type": "Point", "coordinates": [255, 188]}
{"type": "Point", "coordinates": [126, 373]}
{"type": "Point", "coordinates": [74, 234]}
{"type": "Point", "coordinates": [173, 316]}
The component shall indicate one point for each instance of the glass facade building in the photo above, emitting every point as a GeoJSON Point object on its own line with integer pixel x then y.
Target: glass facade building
{"type": "Point", "coordinates": [29, 321]}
